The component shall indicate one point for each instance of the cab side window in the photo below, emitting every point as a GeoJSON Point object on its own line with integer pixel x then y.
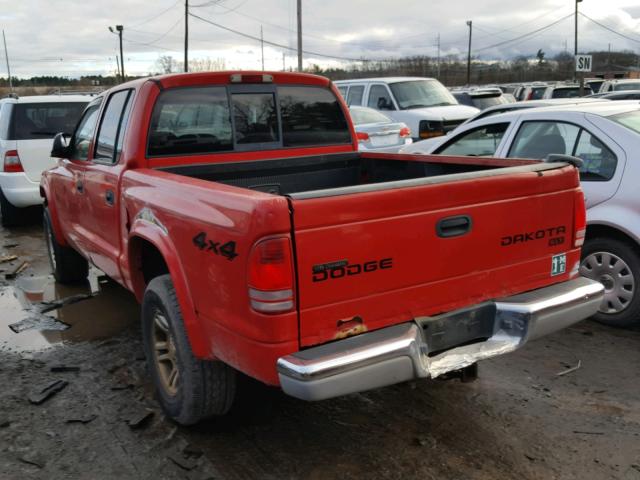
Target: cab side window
{"type": "Point", "coordinates": [479, 142]}
{"type": "Point", "coordinates": [379, 98]}
{"type": "Point", "coordinates": [112, 127]}
{"type": "Point", "coordinates": [354, 97]}
{"type": "Point", "coordinates": [84, 133]}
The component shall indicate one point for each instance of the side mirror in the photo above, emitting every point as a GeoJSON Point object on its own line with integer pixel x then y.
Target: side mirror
{"type": "Point", "coordinates": [60, 147]}
{"type": "Point", "coordinates": [384, 104]}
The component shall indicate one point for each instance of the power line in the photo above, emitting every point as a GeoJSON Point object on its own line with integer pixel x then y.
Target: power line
{"type": "Point", "coordinates": [610, 29]}
{"type": "Point", "coordinates": [528, 34]}
{"type": "Point", "coordinates": [274, 44]}
{"type": "Point", "coordinates": [157, 15]}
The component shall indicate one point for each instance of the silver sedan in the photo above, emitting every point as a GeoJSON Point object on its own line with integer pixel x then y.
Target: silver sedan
{"type": "Point", "coordinates": [377, 132]}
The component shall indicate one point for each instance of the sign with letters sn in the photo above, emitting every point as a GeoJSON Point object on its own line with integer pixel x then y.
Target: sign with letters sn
{"type": "Point", "coordinates": [583, 63]}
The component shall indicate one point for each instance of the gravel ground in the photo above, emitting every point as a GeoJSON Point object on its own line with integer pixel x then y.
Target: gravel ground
{"type": "Point", "coordinates": [520, 419]}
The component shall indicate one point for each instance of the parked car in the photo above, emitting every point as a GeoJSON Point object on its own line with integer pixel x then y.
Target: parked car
{"type": "Point", "coordinates": [606, 136]}
{"type": "Point", "coordinates": [594, 84]}
{"type": "Point", "coordinates": [377, 132]}
{"type": "Point", "coordinates": [562, 91]}
{"type": "Point", "coordinates": [622, 95]}
{"type": "Point", "coordinates": [618, 85]}
{"type": "Point", "coordinates": [480, 98]}
{"type": "Point", "coordinates": [532, 92]}
{"type": "Point", "coordinates": [423, 104]}
{"type": "Point", "coordinates": [236, 207]}
{"type": "Point", "coordinates": [27, 127]}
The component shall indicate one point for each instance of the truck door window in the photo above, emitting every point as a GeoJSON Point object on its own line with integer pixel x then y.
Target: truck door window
{"type": "Point", "coordinates": [311, 116]}
{"type": "Point", "coordinates": [109, 141]}
{"type": "Point", "coordinates": [84, 133]}
{"type": "Point", "coordinates": [379, 98]}
{"type": "Point", "coordinates": [255, 118]}
{"type": "Point", "coordinates": [354, 97]}
{"type": "Point", "coordinates": [190, 120]}
{"type": "Point", "coordinates": [480, 142]}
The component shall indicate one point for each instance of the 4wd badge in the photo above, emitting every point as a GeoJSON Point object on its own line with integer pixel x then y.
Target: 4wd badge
{"type": "Point", "coordinates": [558, 264]}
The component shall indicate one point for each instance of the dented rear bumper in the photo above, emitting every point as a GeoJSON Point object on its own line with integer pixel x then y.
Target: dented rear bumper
{"type": "Point", "coordinates": [430, 347]}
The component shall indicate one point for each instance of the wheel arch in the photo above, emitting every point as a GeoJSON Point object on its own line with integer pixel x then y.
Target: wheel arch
{"type": "Point", "coordinates": [53, 217]}
{"type": "Point", "coordinates": [151, 253]}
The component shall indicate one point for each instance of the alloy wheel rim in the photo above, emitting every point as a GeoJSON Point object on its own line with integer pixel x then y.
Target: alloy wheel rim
{"type": "Point", "coordinates": [164, 349]}
{"type": "Point", "coordinates": [616, 276]}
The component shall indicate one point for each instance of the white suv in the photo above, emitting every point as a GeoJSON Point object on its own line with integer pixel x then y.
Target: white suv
{"type": "Point", "coordinates": [27, 127]}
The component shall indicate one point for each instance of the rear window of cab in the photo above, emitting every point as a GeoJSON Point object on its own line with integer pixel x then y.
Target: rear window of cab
{"type": "Point", "coordinates": [202, 120]}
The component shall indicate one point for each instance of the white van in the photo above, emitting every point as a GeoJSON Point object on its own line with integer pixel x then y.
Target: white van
{"type": "Point", "coordinates": [424, 104]}
{"type": "Point", "coordinates": [27, 127]}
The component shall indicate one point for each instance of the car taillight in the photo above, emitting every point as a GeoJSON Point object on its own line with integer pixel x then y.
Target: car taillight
{"type": "Point", "coordinates": [580, 222]}
{"type": "Point", "coordinates": [405, 132]}
{"type": "Point", "coordinates": [12, 162]}
{"type": "Point", "coordinates": [271, 276]}
{"type": "Point", "coordinates": [430, 129]}
{"type": "Point", "coordinates": [530, 96]}
{"type": "Point", "coordinates": [362, 136]}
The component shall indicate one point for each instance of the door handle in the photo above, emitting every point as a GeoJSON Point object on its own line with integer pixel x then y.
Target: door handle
{"type": "Point", "coordinates": [454, 226]}
{"type": "Point", "coordinates": [108, 196]}
{"type": "Point", "coordinates": [79, 186]}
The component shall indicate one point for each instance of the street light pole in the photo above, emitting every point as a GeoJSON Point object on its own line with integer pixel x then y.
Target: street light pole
{"type": "Point", "coordinates": [186, 35]}
{"type": "Point", "coordinates": [470, 25]}
{"type": "Point", "coordinates": [299, 15]}
{"type": "Point", "coordinates": [119, 29]}
{"type": "Point", "coordinates": [575, 48]}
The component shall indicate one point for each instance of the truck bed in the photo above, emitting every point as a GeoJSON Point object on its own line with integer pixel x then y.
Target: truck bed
{"type": "Point", "coordinates": [312, 176]}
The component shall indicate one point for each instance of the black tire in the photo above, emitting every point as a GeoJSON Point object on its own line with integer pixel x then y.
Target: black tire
{"type": "Point", "coordinates": [201, 388]}
{"type": "Point", "coordinates": [628, 279]}
{"type": "Point", "coordinates": [67, 265]}
{"type": "Point", "coordinates": [10, 213]}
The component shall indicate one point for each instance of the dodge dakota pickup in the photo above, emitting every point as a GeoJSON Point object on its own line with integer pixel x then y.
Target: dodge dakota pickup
{"type": "Point", "coordinates": [237, 209]}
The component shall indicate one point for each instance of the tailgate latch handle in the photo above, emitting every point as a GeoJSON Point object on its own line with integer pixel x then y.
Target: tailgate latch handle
{"type": "Point", "coordinates": [454, 226]}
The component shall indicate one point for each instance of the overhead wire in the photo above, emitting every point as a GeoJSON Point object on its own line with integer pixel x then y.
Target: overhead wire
{"type": "Point", "coordinates": [609, 28]}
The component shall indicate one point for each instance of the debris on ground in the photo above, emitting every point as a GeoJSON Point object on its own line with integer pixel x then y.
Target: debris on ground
{"type": "Point", "coordinates": [39, 322]}
{"type": "Point", "coordinates": [8, 258]}
{"type": "Point", "coordinates": [569, 370]}
{"type": "Point", "coordinates": [64, 368]}
{"type": "Point", "coordinates": [82, 419]}
{"type": "Point", "coordinates": [56, 304]}
{"type": "Point", "coordinates": [17, 271]}
{"type": "Point", "coordinates": [139, 419]}
{"type": "Point", "coordinates": [41, 394]}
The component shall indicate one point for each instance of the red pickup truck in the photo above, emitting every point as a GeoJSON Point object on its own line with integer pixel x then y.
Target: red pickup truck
{"type": "Point", "coordinates": [236, 207]}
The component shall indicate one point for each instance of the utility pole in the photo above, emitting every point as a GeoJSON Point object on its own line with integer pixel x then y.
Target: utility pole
{"type": "Point", "coordinates": [186, 35]}
{"type": "Point", "coordinates": [118, 66]}
{"type": "Point", "coordinates": [575, 52]}
{"type": "Point", "coordinates": [262, 47]}
{"type": "Point", "coordinates": [6, 56]}
{"type": "Point", "coordinates": [120, 28]}
{"type": "Point", "coordinates": [284, 66]}
{"type": "Point", "coordinates": [470, 25]}
{"type": "Point", "coordinates": [299, 35]}
{"type": "Point", "coordinates": [438, 64]}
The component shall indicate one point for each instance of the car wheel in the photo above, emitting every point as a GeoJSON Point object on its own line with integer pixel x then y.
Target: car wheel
{"type": "Point", "coordinates": [616, 265]}
{"type": "Point", "coordinates": [10, 213]}
{"type": "Point", "coordinates": [189, 389]}
{"type": "Point", "coordinates": [67, 265]}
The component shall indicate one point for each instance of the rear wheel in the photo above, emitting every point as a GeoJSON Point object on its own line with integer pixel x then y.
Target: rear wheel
{"type": "Point", "coordinates": [616, 265]}
{"type": "Point", "coordinates": [189, 389]}
{"type": "Point", "coordinates": [10, 213]}
{"type": "Point", "coordinates": [67, 265]}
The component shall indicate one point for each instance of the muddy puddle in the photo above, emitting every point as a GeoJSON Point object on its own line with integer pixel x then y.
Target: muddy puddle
{"type": "Point", "coordinates": [37, 313]}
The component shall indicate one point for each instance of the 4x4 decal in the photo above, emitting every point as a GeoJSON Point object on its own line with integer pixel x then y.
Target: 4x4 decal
{"type": "Point", "coordinates": [227, 250]}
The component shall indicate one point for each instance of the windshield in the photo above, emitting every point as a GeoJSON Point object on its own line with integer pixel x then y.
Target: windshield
{"type": "Point", "coordinates": [43, 120]}
{"type": "Point", "coordinates": [631, 120]}
{"type": "Point", "coordinates": [566, 92]}
{"type": "Point", "coordinates": [360, 116]}
{"type": "Point", "coordinates": [627, 86]}
{"type": "Point", "coordinates": [421, 93]}
{"type": "Point", "coordinates": [485, 102]}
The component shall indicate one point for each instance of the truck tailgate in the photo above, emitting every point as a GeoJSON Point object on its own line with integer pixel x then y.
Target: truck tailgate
{"type": "Point", "coordinates": [368, 259]}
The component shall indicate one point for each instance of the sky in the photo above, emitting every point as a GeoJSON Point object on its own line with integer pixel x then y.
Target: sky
{"type": "Point", "coordinates": [71, 37]}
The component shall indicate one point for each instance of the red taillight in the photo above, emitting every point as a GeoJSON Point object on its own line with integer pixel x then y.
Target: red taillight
{"type": "Point", "coordinates": [580, 222]}
{"type": "Point", "coordinates": [362, 136]}
{"type": "Point", "coordinates": [530, 96]}
{"type": "Point", "coordinates": [12, 162]}
{"type": "Point", "coordinates": [405, 132]}
{"type": "Point", "coordinates": [271, 276]}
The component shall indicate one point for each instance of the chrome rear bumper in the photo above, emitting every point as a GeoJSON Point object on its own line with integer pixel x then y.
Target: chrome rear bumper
{"type": "Point", "coordinates": [402, 352]}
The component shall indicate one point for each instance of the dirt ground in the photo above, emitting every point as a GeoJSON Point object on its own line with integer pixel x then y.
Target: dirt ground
{"type": "Point", "coordinates": [520, 419]}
